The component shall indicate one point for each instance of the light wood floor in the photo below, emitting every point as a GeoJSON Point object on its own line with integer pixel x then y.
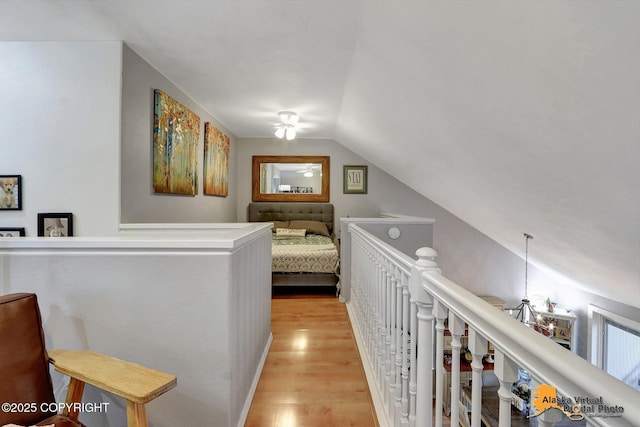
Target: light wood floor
{"type": "Point", "coordinates": [313, 375]}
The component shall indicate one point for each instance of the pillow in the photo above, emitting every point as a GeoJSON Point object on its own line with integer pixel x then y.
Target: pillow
{"type": "Point", "coordinates": [313, 227]}
{"type": "Point", "coordinates": [290, 232]}
{"type": "Point", "coordinates": [279, 224]}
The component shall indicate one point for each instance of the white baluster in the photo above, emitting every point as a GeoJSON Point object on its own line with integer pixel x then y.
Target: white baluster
{"type": "Point", "coordinates": [386, 282]}
{"type": "Point", "coordinates": [362, 293]}
{"type": "Point", "coordinates": [380, 339]}
{"type": "Point", "coordinates": [373, 323]}
{"type": "Point", "coordinates": [355, 284]}
{"type": "Point", "coordinates": [364, 297]}
{"type": "Point", "coordinates": [394, 345]}
{"type": "Point", "coordinates": [413, 377]}
{"type": "Point", "coordinates": [374, 310]}
{"type": "Point", "coordinates": [440, 313]}
{"type": "Point", "coordinates": [478, 348]}
{"type": "Point", "coordinates": [404, 418]}
{"type": "Point", "coordinates": [507, 372]}
{"type": "Point", "coordinates": [396, 349]}
{"type": "Point", "coordinates": [456, 327]}
{"type": "Point", "coordinates": [356, 289]}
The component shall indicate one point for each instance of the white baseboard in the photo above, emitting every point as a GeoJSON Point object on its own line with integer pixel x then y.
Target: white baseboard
{"type": "Point", "coordinates": [254, 384]}
{"type": "Point", "coordinates": [376, 397]}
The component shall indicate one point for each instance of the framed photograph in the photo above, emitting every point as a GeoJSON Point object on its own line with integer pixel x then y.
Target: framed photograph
{"type": "Point", "coordinates": [11, 232]}
{"type": "Point", "coordinates": [55, 224]}
{"type": "Point", "coordinates": [564, 333]}
{"type": "Point", "coordinates": [11, 192]}
{"type": "Point", "coordinates": [354, 179]}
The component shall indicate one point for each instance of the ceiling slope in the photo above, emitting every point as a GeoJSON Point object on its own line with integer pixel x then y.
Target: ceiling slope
{"type": "Point", "coordinates": [516, 116]}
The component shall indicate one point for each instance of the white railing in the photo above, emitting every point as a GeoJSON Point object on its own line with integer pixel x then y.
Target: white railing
{"type": "Point", "coordinates": [398, 308]}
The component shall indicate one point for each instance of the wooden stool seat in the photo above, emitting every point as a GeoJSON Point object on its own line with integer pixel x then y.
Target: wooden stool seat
{"type": "Point", "coordinates": [135, 383]}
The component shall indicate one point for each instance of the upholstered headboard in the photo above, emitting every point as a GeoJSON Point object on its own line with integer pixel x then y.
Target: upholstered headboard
{"type": "Point", "coordinates": [263, 212]}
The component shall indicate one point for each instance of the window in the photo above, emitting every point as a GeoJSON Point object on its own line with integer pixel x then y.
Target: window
{"type": "Point", "coordinates": [615, 345]}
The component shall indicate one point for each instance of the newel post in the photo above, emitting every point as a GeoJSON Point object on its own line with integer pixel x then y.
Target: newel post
{"type": "Point", "coordinates": [424, 304]}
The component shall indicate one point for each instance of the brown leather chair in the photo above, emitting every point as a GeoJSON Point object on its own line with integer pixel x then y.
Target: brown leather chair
{"type": "Point", "coordinates": [26, 390]}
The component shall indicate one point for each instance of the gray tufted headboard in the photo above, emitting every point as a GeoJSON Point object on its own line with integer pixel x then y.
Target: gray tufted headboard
{"type": "Point", "coordinates": [268, 211]}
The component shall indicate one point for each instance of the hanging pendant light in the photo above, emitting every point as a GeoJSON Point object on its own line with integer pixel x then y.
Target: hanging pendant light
{"type": "Point", "coordinates": [525, 311]}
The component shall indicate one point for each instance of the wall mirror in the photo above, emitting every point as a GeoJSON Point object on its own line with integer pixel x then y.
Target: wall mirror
{"type": "Point", "coordinates": [290, 179]}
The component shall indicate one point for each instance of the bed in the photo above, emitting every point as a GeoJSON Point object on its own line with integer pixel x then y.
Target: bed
{"type": "Point", "coordinates": [301, 258]}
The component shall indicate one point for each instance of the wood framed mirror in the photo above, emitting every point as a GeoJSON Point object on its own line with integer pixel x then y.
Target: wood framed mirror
{"type": "Point", "coordinates": [290, 179]}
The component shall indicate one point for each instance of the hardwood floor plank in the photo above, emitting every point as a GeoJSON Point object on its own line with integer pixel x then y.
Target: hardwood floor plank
{"type": "Point", "coordinates": [313, 375]}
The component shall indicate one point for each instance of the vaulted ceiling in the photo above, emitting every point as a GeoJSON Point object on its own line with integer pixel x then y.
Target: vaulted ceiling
{"type": "Point", "coordinates": [516, 116]}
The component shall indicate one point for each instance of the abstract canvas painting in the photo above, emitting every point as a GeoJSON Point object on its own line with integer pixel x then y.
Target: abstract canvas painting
{"type": "Point", "coordinates": [216, 161]}
{"type": "Point", "coordinates": [176, 131]}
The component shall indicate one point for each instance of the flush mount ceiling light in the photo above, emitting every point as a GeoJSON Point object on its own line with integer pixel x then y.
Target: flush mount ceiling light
{"type": "Point", "coordinates": [307, 171]}
{"type": "Point", "coordinates": [288, 126]}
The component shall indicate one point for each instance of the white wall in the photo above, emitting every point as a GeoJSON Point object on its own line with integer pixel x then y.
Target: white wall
{"type": "Point", "coordinates": [384, 190]}
{"type": "Point", "coordinates": [60, 116]}
{"type": "Point", "coordinates": [139, 202]}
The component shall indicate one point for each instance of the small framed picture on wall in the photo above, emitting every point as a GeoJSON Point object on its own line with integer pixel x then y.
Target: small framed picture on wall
{"type": "Point", "coordinates": [11, 192]}
{"type": "Point", "coordinates": [564, 333]}
{"type": "Point", "coordinates": [354, 179]}
{"type": "Point", "coordinates": [11, 232]}
{"type": "Point", "coordinates": [55, 224]}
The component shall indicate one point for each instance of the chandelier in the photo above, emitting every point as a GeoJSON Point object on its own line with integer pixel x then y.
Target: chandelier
{"type": "Point", "coordinates": [525, 312]}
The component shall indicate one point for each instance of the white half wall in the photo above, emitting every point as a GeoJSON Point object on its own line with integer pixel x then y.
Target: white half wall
{"type": "Point", "coordinates": [186, 305]}
{"type": "Point", "coordinates": [60, 116]}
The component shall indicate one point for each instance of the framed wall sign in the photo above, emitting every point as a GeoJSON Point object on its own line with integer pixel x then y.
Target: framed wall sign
{"type": "Point", "coordinates": [354, 179]}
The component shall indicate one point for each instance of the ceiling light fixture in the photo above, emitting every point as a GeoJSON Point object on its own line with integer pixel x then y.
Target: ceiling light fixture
{"type": "Point", "coordinates": [288, 117]}
{"type": "Point", "coordinates": [288, 126]}
{"type": "Point", "coordinates": [525, 312]}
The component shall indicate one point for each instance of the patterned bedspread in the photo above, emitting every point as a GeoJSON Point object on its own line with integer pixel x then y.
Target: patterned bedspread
{"type": "Point", "coordinates": [310, 254]}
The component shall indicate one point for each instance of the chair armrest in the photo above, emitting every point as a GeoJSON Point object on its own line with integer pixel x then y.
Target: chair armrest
{"type": "Point", "coordinates": [131, 381]}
